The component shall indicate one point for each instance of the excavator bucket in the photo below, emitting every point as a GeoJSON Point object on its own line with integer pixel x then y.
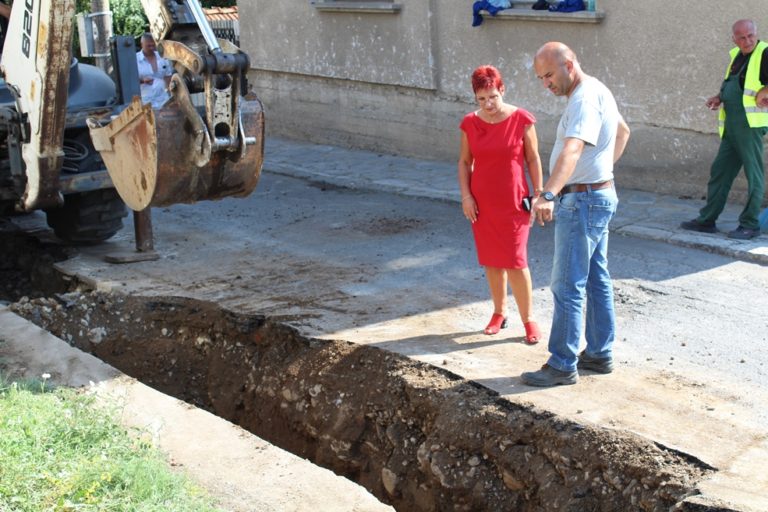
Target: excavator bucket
{"type": "Point", "coordinates": [164, 157]}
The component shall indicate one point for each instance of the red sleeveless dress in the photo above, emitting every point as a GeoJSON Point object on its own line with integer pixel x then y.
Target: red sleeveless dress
{"type": "Point", "coordinates": [498, 185]}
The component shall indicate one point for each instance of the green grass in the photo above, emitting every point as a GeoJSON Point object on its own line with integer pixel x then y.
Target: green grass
{"type": "Point", "coordinates": [60, 451]}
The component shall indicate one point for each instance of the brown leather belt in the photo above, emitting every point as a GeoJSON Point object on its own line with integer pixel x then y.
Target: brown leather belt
{"type": "Point", "coordinates": [583, 187]}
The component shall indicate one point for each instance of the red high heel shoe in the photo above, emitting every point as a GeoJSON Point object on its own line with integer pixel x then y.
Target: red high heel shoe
{"type": "Point", "coordinates": [497, 323]}
{"type": "Point", "coordinates": [532, 333]}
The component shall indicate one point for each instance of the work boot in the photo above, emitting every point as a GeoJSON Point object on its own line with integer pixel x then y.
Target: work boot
{"type": "Point", "coordinates": [595, 364]}
{"type": "Point", "coordinates": [742, 233]}
{"type": "Point", "coordinates": [701, 227]}
{"type": "Point", "coordinates": [549, 376]}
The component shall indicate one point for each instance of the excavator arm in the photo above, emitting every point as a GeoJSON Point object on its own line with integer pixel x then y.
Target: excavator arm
{"type": "Point", "coordinates": [207, 142]}
{"type": "Point", "coordinates": [35, 65]}
{"type": "Point", "coordinates": [204, 143]}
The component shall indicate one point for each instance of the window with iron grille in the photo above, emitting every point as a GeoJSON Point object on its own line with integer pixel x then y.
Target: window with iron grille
{"type": "Point", "coordinates": [227, 29]}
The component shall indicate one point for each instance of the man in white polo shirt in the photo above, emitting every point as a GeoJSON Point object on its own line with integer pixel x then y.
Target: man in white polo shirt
{"type": "Point", "coordinates": [154, 73]}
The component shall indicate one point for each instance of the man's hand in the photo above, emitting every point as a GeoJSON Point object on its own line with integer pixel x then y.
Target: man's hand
{"type": "Point", "coordinates": [762, 98]}
{"type": "Point", "coordinates": [542, 211]}
{"type": "Point", "coordinates": [713, 103]}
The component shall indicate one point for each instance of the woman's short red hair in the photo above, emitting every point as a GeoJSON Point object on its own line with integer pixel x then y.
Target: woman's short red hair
{"type": "Point", "coordinates": [486, 77]}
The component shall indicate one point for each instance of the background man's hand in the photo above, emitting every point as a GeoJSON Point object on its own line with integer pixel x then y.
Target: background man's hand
{"type": "Point", "coordinates": [762, 98]}
{"type": "Point", "coordinates": [713, 103]}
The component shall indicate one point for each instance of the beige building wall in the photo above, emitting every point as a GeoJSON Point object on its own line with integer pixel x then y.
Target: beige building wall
{"type": "Point", "coordinates": [398, 82]}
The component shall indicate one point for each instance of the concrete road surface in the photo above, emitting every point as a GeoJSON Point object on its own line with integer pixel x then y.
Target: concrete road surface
{"type": "Point", "coordinates": [400, 272]}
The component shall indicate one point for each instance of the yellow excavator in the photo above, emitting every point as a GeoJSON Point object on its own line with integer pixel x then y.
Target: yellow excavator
{"type": "Point", "coordinates": [79, 144]}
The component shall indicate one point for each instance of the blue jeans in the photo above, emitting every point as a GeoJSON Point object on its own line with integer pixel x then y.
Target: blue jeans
{"type": "Point", "coordinates": [579, 271]}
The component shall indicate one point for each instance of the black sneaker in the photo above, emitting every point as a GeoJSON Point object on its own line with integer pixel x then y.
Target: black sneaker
{"type": "Point", "coordinates": [549, 376]}
{"type": "Point", "coordinates": [742, 233]}
{"type": "Point", "coordinates": [595, 364]}
{"type": "Point", "coordinates": [701, 227]}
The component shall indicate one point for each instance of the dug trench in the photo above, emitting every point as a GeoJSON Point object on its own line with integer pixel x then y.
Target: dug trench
{"type": "Point", "coordinates": [418, 437]}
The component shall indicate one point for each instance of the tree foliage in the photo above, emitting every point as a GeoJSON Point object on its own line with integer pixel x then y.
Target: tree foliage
{"type": "Point", "coordinates": [85, 5]}
{"type": "Point", "coordinates": [128, 16]}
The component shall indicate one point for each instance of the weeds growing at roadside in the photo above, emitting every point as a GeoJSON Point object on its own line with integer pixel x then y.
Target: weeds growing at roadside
{"type": "Point", "coordinates": [60, 451]}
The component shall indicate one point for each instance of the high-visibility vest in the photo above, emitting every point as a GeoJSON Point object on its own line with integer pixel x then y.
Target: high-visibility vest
{"type": "Point", "coordinates": [756, 117]}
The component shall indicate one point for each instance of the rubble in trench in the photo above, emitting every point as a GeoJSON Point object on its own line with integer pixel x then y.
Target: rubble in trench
{"type": "Point", "coordinates": [418, 437]}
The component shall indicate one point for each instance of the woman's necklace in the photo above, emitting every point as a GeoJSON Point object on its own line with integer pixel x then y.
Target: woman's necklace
{"type": "Point", "coordinates": [497, 117]}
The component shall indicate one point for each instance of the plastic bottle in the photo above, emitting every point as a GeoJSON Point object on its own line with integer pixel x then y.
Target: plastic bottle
{"type": "Point", "coordinates": [591, 5]}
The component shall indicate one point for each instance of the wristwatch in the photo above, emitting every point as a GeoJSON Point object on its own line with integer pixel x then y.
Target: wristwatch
{"type": "Point", "coordinates": [548, 196]}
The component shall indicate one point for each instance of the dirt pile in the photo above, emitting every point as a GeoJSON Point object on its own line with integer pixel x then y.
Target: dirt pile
{"type": "Point", "coordinates": [416, 436]}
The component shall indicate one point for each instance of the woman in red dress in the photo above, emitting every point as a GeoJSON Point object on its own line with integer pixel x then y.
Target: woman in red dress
{"type": "Point", "coordinates": [496, 141]}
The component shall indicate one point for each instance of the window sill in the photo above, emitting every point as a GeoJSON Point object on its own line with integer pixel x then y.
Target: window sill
{"type": "Point", "coordinates": [357, 7]}
{"type": "Point", "coordinates": [531, 15]}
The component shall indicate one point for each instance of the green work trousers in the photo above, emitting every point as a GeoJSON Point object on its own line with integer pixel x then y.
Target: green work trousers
{"type": "Point", "coordinates": [741, 146]}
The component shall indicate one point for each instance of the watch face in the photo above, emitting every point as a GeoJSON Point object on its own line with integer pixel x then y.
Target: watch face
{"type": "Point", "coordinates": [549, 196]}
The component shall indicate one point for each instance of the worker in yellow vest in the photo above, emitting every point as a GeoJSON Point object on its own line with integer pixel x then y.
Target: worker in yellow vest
{"type": "Point", "coordinates": [742, 103]}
